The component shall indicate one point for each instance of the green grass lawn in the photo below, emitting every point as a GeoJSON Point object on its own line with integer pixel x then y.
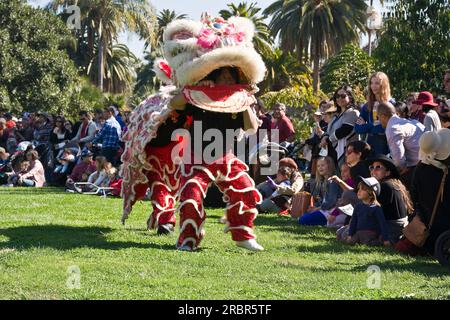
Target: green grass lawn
{"type": "Point", "coordinates": [43, 232]}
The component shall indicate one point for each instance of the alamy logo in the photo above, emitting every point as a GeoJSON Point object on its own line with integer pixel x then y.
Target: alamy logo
{"type": "Point", "coordinates": [74, 20]}
{"type": "Point", "coordinates": [212, 145]}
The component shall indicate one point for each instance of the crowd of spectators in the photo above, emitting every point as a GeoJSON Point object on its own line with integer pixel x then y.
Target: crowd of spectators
{"type": "Point", "coordinates": [40, 149]}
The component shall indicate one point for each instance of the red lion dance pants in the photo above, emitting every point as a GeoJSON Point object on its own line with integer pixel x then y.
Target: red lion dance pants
{"type": "Point", "coordinates": [164, 182]}
{"type": "Point", "coordinates": [239, 192]}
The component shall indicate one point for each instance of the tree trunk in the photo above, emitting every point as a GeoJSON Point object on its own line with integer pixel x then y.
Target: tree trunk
{"type": "Point", "coordinates": [316, 70]}
{"type": "Point", "coordinates": [100, 63]}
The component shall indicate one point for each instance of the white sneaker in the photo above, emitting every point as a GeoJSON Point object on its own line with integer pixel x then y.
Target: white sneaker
{"type": "Point", "coordinates": [251, 245]}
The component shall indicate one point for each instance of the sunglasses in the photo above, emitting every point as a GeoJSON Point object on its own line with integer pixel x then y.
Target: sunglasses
{"type": "Point", "coordinates": [341, 96]}
{"type": "Point", "coordinates": [371, 168]}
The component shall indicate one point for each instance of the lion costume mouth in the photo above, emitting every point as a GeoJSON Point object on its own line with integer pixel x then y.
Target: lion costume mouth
{"type": "Point", "coordinates": [220, 98]}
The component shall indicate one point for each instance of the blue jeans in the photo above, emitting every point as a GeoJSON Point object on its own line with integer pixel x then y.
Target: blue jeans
{"type": "Point", "coordinates": [28, 183]}
{"type": "Point", "coordinates": [315, 218]}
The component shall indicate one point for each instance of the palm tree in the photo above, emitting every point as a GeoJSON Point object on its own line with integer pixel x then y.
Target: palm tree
{"type": "Point", "coordinates": [164, 17]}
{"type": "Point", "coordinates": [103, 20]}
{"type": "Point", "coordinates": [120, 70]}
{"type": "Point", "coordinates": [318, 28]}
{"type": "Point", "coordinates": [262, 40]}
{"type": "Point", "coordinates": [284, 70]}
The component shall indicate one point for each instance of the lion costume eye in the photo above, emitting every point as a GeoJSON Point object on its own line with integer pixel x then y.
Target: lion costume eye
{"type": "Point", "coordinates": [181, 35]}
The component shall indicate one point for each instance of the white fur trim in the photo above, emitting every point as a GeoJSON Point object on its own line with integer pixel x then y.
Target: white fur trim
{"type": "Point", "coordinates": [245, 58]}
{"type": "Point", "coordinates": [178, 25]}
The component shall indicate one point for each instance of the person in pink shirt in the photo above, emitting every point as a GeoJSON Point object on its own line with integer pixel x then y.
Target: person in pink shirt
{"type": "Point", "coordinates": [34, 177]}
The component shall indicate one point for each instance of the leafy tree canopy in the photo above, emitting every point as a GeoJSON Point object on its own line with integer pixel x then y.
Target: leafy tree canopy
{"type": "Point", "coordinates": [36, 74]}
{"type": "Point", "coordinates": [413, 50]}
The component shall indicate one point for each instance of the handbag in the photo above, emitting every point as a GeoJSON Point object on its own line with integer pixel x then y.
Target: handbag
{"type": "Point", "coordinates": [416, 231]}
{"type": "Point", "coordinates": [301, 201]}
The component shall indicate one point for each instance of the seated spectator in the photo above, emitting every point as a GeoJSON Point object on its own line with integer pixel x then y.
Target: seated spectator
{"type": "Point", "coordinates": [24, 130]}
{"type": "Point", "coordinates": [356, 154]}
{"type": "Point", "coordinates": [4, 133]}
{"type": "Point", "coordinates": [403, 139]}
{"type": "Point", "coordinates": [427, 192]}
{"type": "Point", "coordinates": [13, 179]}
{"type": "Point", "coordinates": [325, 193]}
{"type": "Point", "coordinates": [104, 171]}
{"type": "Point", "coordinates": [42, 129]}
{"type": "Point", "coordinates": [368, 225]}
{"type": "Point", "coordinates": [64, 160]}
{"type": "Point", "coordinates": [346, 176]}
{"type": "Point", "coordinates": [34, 177]}
{"type": "Point", "coordinates": [5, 168]}
{"type": "Point", "coordinates": [86, 132]}
{"type": "Point", "coordinates": [394, 198]}
{"type": "Point", "coordinates": [338, 218]}
{"type": "Point", "coordinates": [269, 190]}
{"type": "Point", "coordinates": [86, 166]}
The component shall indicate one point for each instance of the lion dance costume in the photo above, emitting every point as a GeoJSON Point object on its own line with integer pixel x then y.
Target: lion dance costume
{"type": "Point", "coordinates": [193, 50]}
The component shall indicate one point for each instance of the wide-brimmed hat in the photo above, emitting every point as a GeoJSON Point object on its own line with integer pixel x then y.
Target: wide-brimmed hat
{"type": "Point", "coordinates": [436, 144]}
{"type": "Point", "coordinates": [328, 107]}
{"type": "Point", "coordinates": [387, 162]}
{"type": "Point", "coordinates": [425, 98]}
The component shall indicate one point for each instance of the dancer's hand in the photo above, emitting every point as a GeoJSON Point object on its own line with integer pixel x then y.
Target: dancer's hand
{"type": "Point", "coordinates": [178, 102]}
{"type": "Point", "coordinates": [206, 83]}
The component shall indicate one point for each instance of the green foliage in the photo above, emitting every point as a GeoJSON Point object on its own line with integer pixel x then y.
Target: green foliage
{"type": "Point", "coordinates": [35, 74]}
{"type": "Point", "coordinates": [316, 29]}
{"type": "Point", "coordinates": [414, 48]}
{"type": "Point", "coordinates": [351, 66]}
{"type": "Point", "coordinates": [301, 103]}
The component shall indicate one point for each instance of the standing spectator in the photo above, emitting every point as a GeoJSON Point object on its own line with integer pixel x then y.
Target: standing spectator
{"type": "Point", "coordinates": [341, 130]}
{"type": "Point", "coordinates": [34, 177]}
{"type": "Point", "coordinates": [431, 121]}
{"type": "Point", "coordinates": [378, 91]}
{"type": "Point", "coordinates": [414, 110]}
{"type": "Point", "coordinates": [320, 127]}
{"type": "Point", "coordinates": [118, 116]}
{"type": "Point", "coordinates": [403, 138]}
{"type": "Point", "coordinates": [325, 193]}
{"type": "Point", "coordinates": [395, 200]}
{"type": "Point", "coordinates": [86, 131]}
{"type": "Point", "coordinates": [109, 136]}
{"type": "Point", "coordinates": [282, 123]}
{"type": "Point", "coordinates": [402, 110]}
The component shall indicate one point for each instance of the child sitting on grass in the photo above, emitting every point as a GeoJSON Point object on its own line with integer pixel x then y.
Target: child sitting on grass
{"type": "Point", "coordinates": [64, 160]}
{"type": "Point", "coordinates": [269, 190]}
{"type": "Point", "coordinates": [13, 179]}
{"type": "Point", "coordinates": [368, 225]}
